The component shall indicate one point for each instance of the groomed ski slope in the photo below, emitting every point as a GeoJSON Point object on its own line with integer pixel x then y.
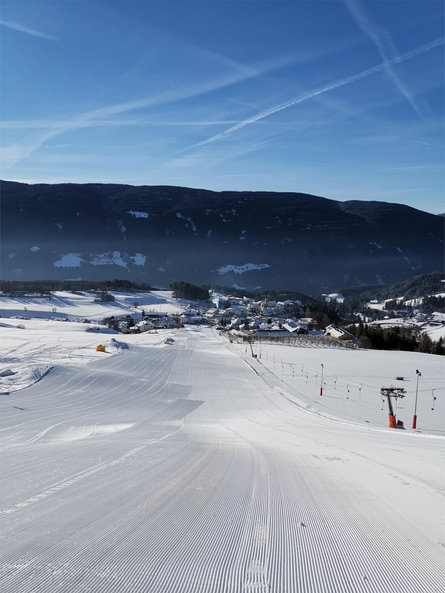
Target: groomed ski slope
{"type": "Point", "coordinates": [187, 468]}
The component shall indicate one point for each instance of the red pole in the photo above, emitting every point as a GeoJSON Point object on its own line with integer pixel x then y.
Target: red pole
{"type": "Point", "coordinates": [419, 374]}
{"type": "Point", "coordinates": [392, 421]}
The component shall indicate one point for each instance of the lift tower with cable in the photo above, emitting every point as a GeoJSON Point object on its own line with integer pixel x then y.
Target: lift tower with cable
{"type": "Point", "coordinates": [394, 392]}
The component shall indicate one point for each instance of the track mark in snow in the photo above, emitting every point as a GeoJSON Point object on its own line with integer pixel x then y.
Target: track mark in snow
{"type": "Point", "coordinates": [42, 433]}
{"type": "Point", "coordinates": [80, 476]}
{"type": "Point", "coordinates": [253, 553]}
{"type": "Point", "coordinates": [75, 433]}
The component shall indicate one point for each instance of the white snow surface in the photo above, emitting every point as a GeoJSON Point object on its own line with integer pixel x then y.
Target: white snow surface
{"type": "Point", "coordinates": [193, 467]}
{"type": "Point", "coordinates": [110, 258]}
{"type": "Point", "coordinates": [69, 260]}
{"type": "Point", "coordinates": [249, 267]}
{"type": "Point", "coordinates": [138, 259]}
{"type": "Point", "coordinates": [435, 330]}
{"type": "Point", "coordinates": [417, 302]}
{"type": "Point", "coordinates": [138, 213]}
{"type": "Point", "coordinates": [78, 306]}
{"type": "Point", "coordinates": [352, 380]}
{"type": "Point", "coordinates": [32, 342]}
{"type": "Point", "coordinates": [188, 219]}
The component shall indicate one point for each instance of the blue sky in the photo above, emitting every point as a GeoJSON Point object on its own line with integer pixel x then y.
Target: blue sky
{"type": "Point", "coordinates": [343, 99]}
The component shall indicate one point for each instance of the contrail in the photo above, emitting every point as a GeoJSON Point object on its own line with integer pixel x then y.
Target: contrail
{"type": "Point", "coordinates": [26, 30]}
{"type": "Point", "coordinates": [384, 45]}
{"type": "Point", "coordinates": [12, 154]}
{"type": "Point", "coordinates": [311, 94]}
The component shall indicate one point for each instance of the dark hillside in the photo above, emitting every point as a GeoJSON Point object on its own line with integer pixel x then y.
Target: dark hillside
{"type": "Point", "coordinates": [159, 234]}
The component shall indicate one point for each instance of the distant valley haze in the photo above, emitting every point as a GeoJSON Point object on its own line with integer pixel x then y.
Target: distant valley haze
{"type": "Point", "coordinates": [250, 240]}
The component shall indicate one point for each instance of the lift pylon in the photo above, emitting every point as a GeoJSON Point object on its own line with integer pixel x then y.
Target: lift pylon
{"type": "Point", "coordinates": [394, 392]}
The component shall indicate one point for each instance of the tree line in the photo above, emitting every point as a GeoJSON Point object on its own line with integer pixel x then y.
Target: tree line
{"type": "Point", "coordinates": [396, 338]}
{"type": "Point", "coordinates": [185, 290]}
{"type": "Point", "coordinates": [416, 287]}
{"type": "Point", "coordinates": [45, 286]}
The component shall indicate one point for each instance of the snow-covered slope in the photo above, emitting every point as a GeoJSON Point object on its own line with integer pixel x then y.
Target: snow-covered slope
{"type": "Point", "coordinates": [37, 334]}
{"type": "Point", "coordinates": [83, 305]}
{"type": "Point", "coordinates": [352, 380]}
{"type": "Point", "coordinates": [180, 467]}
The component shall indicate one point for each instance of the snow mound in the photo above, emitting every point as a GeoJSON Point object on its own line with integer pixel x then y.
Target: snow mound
{"type": "Point", "coordinates": [36, 373]}
{"type": "Point", "coordinates": [116, 346]}
{"type": "Point", "coordinates": [76, 433]}
{"type": "Point", "coordinates": [19, 377]}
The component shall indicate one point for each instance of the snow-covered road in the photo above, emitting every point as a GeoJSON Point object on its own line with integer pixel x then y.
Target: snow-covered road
{"type": "Point", "coordinates": [184, 468]}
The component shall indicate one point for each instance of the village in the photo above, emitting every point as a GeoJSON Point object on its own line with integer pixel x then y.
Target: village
{"type": "Point", "coordinates": [325, 321]}
{"type": "Point", "coordinates": [236, 316]}
{"type": "Point", "coordinates": [243, 319]}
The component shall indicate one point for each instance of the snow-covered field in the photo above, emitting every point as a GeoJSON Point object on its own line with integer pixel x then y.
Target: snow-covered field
{"type": "Point", "coordinates": [193, 467]}
{"type": "Point", "coordinates": [352, 380]}
{"type": "Point", "coordinates": [435, 330]}
{"type": "Point", "coordinates": [83, 306]}
{"type": "Point", "coordinates": [36, 334]}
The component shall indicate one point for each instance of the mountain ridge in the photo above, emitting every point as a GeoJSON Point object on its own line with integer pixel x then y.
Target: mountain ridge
{"type": "Point", "coordinates": [159, 234]}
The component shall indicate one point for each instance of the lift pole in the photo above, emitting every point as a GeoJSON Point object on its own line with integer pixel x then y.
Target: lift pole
{"type": "Point", "coordinates": [390, 392]}
{"type": "Point", "coordinates": [321, 384]}
{"type": "Point", "coordinates": [419, 374]}
{"type": "Point", "coordinates": [251, 349]}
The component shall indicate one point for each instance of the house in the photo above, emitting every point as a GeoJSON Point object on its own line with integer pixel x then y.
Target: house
{"type": "Point", "coordinates": [291, 325]}
{"type": "Point", "coordinates": [338, 333]}
{"type": "Point", "coordinates": [334, 297]}
{"type": "Point", "coordinates": [144, 326]}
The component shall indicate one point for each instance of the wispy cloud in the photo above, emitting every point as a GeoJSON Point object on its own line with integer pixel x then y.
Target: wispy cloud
{"type": "Point", "coordinates": [34, 141]}
{"type": "Point", "coordinates": [315, 93]}
{"type": "Point", "coordinates": [47, 124]}
{"type": "Point", "coordinates": [418, 141]}
{"type": "Point", "coordinates": [203, 159]}
{"type": "Point", "coordinates": [26, 30]}
{"type": "Point", "coordinates": [385, 46]}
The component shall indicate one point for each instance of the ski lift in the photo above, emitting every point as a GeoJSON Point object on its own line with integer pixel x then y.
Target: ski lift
{"type": "Point", "coordinates": [392, 392]}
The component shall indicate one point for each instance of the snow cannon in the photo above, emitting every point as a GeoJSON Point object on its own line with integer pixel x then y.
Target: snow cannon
{"type": "Point", "coordinates": [100, 348]}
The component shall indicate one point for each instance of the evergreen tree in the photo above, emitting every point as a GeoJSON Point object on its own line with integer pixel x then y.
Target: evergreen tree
{"type": "Point", "coordinates": [185, 290]}
{"type": "Point", "coordinates": [425, 344]}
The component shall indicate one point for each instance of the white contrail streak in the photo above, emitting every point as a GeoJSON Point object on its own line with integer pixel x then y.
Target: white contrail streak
{"type": "Point", "coordinates": [27, 30]}
{"type": "Point", "coordinates": [384, 45]}
{"type": "Point", "coordinates": [311, 94]}
{"type": "Point", "coordinates": [12, 154]}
